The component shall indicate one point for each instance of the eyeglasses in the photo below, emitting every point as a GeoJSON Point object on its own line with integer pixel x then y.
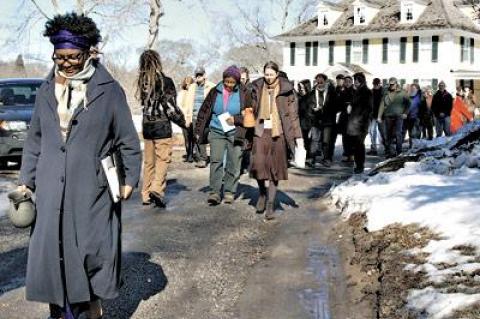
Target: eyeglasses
{"type": "Point", "coordinates": [71, 58]}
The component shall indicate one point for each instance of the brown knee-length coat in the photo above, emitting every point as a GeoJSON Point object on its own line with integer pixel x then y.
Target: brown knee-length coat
{"type": "Point", "coordinates": [288, 111]}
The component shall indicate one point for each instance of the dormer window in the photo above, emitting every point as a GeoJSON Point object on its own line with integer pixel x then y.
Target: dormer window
{"type": "Point", "coordinates": [360, 15]}
{"type": "Point", "coordinates": [409, 12]}
{"type": "Point", "coordinates": [328, 13]}
{"type": "Point", "coordinates": [323, 15]}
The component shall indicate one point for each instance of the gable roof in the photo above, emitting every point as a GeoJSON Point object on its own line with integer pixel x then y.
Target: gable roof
{"type": "Point", "coordinates": [439, 14]}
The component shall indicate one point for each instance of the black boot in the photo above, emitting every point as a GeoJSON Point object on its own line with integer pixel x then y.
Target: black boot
{"type": "Point", "coordinates": [261, 203]}
{"type": "Point", "coordinates": [158, 200]}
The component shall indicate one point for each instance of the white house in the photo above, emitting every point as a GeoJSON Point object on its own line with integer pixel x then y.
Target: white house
{"type": "Point", "coordinates": [423, 41]}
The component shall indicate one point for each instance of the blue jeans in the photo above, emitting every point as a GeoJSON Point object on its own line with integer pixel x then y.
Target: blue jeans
{"type": "Point", "coordinates": [442, 125]}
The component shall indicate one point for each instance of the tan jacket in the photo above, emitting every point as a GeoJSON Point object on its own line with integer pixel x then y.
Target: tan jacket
{"type": "Point", "coordinates": [189, 98]}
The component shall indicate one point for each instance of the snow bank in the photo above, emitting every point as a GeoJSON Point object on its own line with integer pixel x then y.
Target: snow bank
{"type": "Point", "coordinates": [441, 192]}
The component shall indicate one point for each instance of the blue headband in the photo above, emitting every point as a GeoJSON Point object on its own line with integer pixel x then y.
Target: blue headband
{"type": "Point", "coordinates": [64, 39]}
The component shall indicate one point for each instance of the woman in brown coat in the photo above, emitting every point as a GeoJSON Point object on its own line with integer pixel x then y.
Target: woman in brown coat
{"type": "Point", "coordinates": [277, 128]}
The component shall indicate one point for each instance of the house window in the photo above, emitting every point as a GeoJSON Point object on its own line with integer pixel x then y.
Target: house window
{"type": "Point", "coordinates": [365, 51]}
{"type": "Point", "coordinates": [435, 84]}
{"type": "Point", "coordinates": [331, 52]}
{"type": "Point", "coordinates": [435, 40]}
{"type": "Point", "coordinates": [360, 17]}
{"type": "Point", "coordinates": [472, 50]}
{"type": "Point", "coordinates": [416, 43]}
{"type": "Point", "coordinates": [403, 50]}
{"type": "Point", "coordinates": [315, 53]}
{"type": "Point", "coordinates": [463, 49]}
{"type": "Point", "coordinates": [385, 83]}
{"type": "Point", "coordinates": [348, 51]}
{"type": "Point", "coordinates": [467, 48]}
{"type": "Point", "coordinates": [357, 52]}
{"type": "Point", "coordinates": [308, 48]}
{"type": "Point", "coordinates": [292, 53]}
{"type": "Point", "coordinates": [385, 50]}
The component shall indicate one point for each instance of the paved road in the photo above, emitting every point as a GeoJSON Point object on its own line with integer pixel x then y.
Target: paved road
{"type": "Point", "coordinates": [196, 261]}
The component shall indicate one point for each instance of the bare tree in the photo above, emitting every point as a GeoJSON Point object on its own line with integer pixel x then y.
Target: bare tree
{"type": "Point", "coordinates": [156, 12]}
{"type": "Point", "coordinates": [285, 7]}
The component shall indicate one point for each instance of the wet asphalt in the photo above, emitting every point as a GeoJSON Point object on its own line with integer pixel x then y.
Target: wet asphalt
{"type": "Point", "coordinates": [192, 260]}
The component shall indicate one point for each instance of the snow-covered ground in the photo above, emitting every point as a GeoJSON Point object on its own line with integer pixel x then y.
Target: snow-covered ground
{"type": "Point", "coordinates": [442, 192]}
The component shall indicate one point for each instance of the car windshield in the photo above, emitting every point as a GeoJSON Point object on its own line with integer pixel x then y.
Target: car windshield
{"type": "Point", "coordinates": [18, 93]}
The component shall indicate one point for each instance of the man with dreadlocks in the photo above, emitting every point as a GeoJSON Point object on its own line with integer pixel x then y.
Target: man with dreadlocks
{"type": "Point", "coordinates": [157, 95]}
{"type": "Point", "coordinates": [81, 116]}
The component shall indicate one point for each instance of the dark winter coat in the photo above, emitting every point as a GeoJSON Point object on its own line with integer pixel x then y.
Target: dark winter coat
{"type": "Point", "coordinates": [377, 100]}
{"type": "Point", "coordinates": [156, 121]}
{"type": "Point", "coordinates": [442, 103]}
{"type": "Point", "coordinates": [72, 200]}
{"type": "Point", "coordinates": [287, 109]}
{"type": "Point", "coordinates": [359, 118]}
{"type": "Point", "coordinates": [205, 115]}
{"type": "Point", "coordinates": [344, 97]}
{"type": "Point", "coordinates": [303, 114]}
{"type": "Point", "coordinates": [327, 114]}
{"type": "Point", "coordinates": [425, 114]}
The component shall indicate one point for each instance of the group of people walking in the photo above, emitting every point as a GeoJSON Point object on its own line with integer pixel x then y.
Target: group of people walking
{"type": "Point", "coordinates": [81, 117]}
{"type": "Point", "coordinates": [348, 107]}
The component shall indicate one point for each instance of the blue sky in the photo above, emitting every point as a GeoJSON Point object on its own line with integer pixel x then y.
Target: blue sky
{"type": "Point", "coordinates": [182, 20]}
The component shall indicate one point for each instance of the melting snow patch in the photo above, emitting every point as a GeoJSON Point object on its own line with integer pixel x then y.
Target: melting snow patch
{"type": "Point", "coordinates": [441, 192]}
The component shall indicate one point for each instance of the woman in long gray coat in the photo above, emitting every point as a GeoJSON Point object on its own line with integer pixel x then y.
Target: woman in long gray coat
{"type": "Point", "coordinates": [80, 117]}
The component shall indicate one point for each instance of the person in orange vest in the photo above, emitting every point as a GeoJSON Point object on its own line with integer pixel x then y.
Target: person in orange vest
{"type": "Point", "coordinates": [460, 113]}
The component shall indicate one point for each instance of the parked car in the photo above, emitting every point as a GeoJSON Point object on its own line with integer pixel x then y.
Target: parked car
{"type": "Point", "coordinates": [17, 98]}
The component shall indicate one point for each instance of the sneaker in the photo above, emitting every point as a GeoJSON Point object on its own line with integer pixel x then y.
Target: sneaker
{"type": "Point", "coordinates": [146, 202]}
{"type": "Point", "coordinates": [201, 164]}
{"type": "Point", "coordinates": [214, 199]}
{"type": "Point", "coordinates": [372, 152]}
{"type": "Point", "coordinates": [228, 198]}
{"type": "Point", "coordinates": [158, 200]}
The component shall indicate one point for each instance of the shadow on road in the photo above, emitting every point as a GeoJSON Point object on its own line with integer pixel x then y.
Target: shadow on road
{"type": "Point", "coordinates": [251, 193]}
{"type": "Point", "coordinates": [174, 187]}
{"type": "Point", "coordinates": [14, 265]}
{"type": "Point", "coordinates": [141, 279]}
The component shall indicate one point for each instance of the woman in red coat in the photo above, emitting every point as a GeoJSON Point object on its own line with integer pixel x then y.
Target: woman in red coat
{"type": "Point", "coordinates": [460, 113]}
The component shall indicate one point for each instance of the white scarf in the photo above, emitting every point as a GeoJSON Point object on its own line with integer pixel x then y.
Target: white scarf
{"type": "Point", "coordinates": [71, 94]}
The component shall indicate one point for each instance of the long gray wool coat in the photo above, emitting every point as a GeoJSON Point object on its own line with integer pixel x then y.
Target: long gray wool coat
{"type": "Point", "coordinates": [74, 207]}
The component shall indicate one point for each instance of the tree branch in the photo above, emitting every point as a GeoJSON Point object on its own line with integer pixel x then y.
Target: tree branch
{"type": "Point", "coordinates": [40, 9]}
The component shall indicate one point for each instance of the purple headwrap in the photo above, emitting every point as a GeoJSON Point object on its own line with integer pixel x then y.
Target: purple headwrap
{"type": "Point", "coordinates": [232, 72]}
{"type": "Point", "coordinates": [64, 39]}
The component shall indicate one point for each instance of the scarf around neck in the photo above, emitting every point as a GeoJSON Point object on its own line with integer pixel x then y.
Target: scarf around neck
{"type": "Point", "coordinates": [268, 107]}
{"type": "Point", "coordinates": [71, 94]}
